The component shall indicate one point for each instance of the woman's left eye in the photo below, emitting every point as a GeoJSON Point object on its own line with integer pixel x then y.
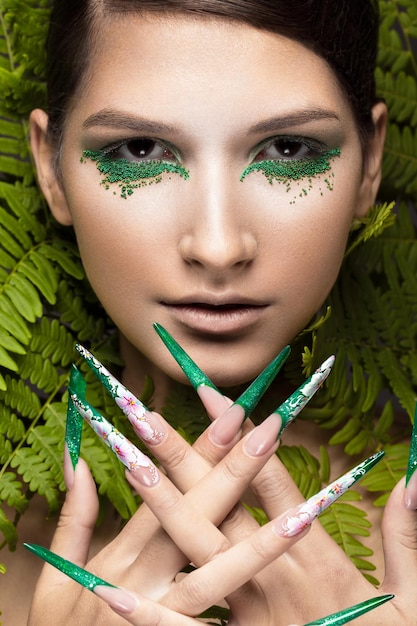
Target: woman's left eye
{"type": "Point", "coordinates": [284, 149]}
{"type": "Point", "coordinates": [142, 149]}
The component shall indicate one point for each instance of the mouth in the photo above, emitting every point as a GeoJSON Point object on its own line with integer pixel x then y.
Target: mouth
{"type": "Point", "coordinates": [230, 316]}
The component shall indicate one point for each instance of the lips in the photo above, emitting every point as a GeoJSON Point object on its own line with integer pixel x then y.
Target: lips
{"type": "Point", "coordinates": [227, 315]}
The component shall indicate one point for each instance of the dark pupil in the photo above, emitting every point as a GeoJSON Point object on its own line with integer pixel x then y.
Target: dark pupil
{"type": "Point", "coordinates": [288, 148]}
{"type": "Point", "coordinates": [141, 147]}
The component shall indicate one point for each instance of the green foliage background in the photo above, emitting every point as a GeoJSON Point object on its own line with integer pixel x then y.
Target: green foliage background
{"type": "Point", "coordinates": [46, 304]}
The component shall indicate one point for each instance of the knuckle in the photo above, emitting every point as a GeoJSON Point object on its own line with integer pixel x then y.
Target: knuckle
{"type": "Point", "coordinates": [175, 457]}
{"type": "Point", "coordinates": [213, 551]}
{"type": "Point", "coordinates": [194, 592]}
{"type": "Point", "coordinates": [234, 470]}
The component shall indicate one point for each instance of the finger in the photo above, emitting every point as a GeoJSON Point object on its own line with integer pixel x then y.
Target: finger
{"type": "Point", "coordinates": [230, 570]}
{"type": "Point", "coordinates": [141, 611]}
{"type": "Point", "coordinates": [77, 519]}
{"type": "Point", "coordinates": [211, 498]}
{"type": "Point", "coordinates": [399, 536]}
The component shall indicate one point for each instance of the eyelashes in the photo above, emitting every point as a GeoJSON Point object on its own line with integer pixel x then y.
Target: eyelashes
{"type": "Point", "coordinates": [138, 162]}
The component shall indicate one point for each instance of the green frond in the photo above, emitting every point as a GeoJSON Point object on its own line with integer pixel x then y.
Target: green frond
{"type": "Point", "coordinates": [345, 523]}
{"type": "Point", "coordinates": [387, 473]}
{"type": "Point", "coordinates": [8, 530]}
{"type": "Point", "coordinates": [11, 492]}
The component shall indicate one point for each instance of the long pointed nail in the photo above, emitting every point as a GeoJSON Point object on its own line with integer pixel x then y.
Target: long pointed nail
{"type": "Point", "coordinates": [126, 452]}
{"type": "Point", "coordinates": [148, 425]}
{"type": "Point", "coordinates": [250, 398]}
{"type": "Point", "coordinates": [293, 405]}
{"type": "Point", "coordinates": [300, 517]}
{"type": "Point", "coordinates": [195, 375]}
{"type": "Point", "coordinates": [74, 423]}
{"type": "Point", "coordinates": [411, 477]}
{"type": "Point", "coordinates": [80, 575]}
{"type": "Point", "coordinates": [347, 615]}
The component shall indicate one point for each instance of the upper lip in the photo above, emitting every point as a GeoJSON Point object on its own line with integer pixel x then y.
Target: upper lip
{"type": "Point", "coordinates": [216, 300]}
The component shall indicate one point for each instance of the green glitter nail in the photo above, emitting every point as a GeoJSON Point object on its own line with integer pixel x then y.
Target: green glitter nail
{"type": "Point", "coordinates": [194, 374]}
{"type": "Point", "coordinates": [130, 175]}
{"type": "Point", "coordinates": [74, 424]}
{"type": "Point", "coordinates": [347, 615]}
{"type": "Point", "coordinates": [292, 170]}
{"type": "Point", "coordinates": [80, 575]}
{"type": "Point", "coordinates": [412, 458]}
{"type": "Point", "coordinates": [250, 398]}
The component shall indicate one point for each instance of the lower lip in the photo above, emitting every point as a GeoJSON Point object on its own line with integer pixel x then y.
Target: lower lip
{"type": "Point", "coordinates": [214, 321]}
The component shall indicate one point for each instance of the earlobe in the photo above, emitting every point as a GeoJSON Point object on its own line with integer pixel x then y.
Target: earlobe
{"type": "Point", "coordinates": [43, 154]}
{"type": "Point", "coordinates": [373, 153]}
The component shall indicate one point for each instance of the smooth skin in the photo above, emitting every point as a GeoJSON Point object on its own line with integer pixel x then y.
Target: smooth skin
{"type": "Point", "coordinates": [172, 250]}
{"type": "Point", "coordinates": [145, 559]}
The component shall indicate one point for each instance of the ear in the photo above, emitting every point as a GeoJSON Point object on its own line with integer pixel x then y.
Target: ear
{"type": "Point", "coordinates": [45, 158]}
{"type": "Point", "coordinates": [373, 152]}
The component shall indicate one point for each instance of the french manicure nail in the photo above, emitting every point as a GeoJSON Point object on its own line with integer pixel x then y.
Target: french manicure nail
{"type": "Point", "coordinates": [135, 461]}
{"type": "Point", "coordinates": [410, 493]}
{"type": "Point", "coordinates": [117, 598]}
{"type": "Point", "coordinates": [148, 425]}
{"type": "Point", "coordinates": [293, 405]}
{"type": "Point", "coordinates": [227, 426]}
{"type": "Point", "coordinates": [80, 575]}
{"type": "Point", "coordinates": [195, 375]}
{"type": "Point", "coordinates": [263, 437]}
{"type": "Point", "coordinates": [300, 517]}
{"type": "Point", "coordinates": [74, 422]}
{"type": "Point", "coordinates": [250, 398]}
{"type": "Point", "coordinates": [347, 615]}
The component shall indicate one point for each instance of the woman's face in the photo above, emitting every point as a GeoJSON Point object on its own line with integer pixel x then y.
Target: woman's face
{"type": "Point", "coordinates": [234, 240]}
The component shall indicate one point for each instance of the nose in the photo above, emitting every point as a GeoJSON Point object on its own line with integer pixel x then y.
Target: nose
{"type": "Point", "coordinates": [220, 239]}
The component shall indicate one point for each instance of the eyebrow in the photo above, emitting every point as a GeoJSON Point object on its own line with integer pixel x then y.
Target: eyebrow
{"type": "Point", "coordinates": [110, 117]}
{"type": "Point", "coordinates": [297, 118]}
{"type": "Point", "coordinates": [127, 121]}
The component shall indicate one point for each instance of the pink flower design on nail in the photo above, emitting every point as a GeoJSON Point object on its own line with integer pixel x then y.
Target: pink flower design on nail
{"type": "Point", "coordinates": [294, 524]}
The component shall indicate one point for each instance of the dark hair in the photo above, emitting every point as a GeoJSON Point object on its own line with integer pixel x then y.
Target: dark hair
{"type": "Point", "coordinates": [343, 32]}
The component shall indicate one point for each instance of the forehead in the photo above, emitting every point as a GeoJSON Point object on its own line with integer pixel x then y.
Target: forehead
{"type": "Point", "coordinates": [171, 64]}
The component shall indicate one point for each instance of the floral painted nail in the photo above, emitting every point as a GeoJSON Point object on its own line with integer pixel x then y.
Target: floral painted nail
{"type": "Point", "coordinates": [127, 453]}
{"type": "Point", "coordinates": [148, 426]}
{"type": "Point", "coordinates": [293, 405]}
{"type": "Point", "coordinates": [301, 516]}
{"type": "Point", "coordinates": [347, 615]}
{"type": "Point", "coordinates": [249, 398]}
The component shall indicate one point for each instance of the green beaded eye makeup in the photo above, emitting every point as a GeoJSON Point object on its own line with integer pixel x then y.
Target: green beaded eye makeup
{"type": "Point", "coordinates": [290, 171]}
{"type": "Point", "coordinates": [130, 175]}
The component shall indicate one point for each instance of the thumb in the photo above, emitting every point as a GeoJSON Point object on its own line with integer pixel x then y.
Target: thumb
{"type": "Point", "coordinates": [76, 522]}
{"type": "Point", "coordinates": [399, 536]}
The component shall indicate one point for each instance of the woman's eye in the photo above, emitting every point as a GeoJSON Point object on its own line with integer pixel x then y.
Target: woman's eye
{"type": "Point", "coordinates": [287, 149]}
{"type": "Point", "coordinates": [142, 150]}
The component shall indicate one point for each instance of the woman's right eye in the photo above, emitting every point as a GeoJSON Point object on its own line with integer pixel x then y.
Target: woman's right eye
{"type": "Point", "coordinates": [142, 149]}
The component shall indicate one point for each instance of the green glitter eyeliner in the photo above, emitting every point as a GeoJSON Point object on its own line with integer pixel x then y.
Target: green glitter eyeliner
{"type": "Point", "coordinates": [130, 175]}
{"type": "Point", "coordinates": [288, 171]}
{"type": "Point", "coordinates": [74, 423]}
{"type": "Point", "coordinates": [347, 615]}
{"type": "Point", "coordinates": [80, 575]}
